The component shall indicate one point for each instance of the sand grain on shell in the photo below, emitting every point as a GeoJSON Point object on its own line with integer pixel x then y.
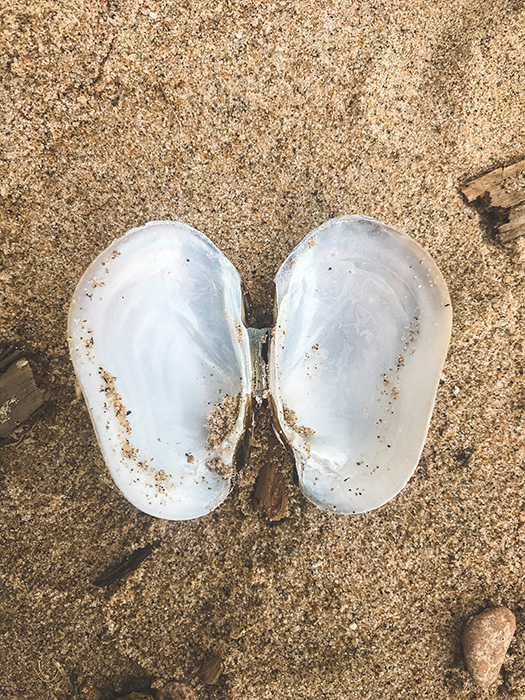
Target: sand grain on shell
{"type": "Point", "coordinates": [114, 399]}
{"type": "Point", "coordinates": [217, 466]}
{"type": "Point", "coordinates": [290, 416]}
{"type": "Point", "coordinates": [222, 419]}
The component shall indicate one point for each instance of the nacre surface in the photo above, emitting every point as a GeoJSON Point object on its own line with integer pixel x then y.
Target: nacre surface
{"type": "Point", "coordinates": [157, 339]}
{"type": "Point", "coordinates": [362, 329]}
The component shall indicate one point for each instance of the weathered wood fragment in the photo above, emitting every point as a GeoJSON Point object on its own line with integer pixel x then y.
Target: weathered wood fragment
{"type": "Point", "coordinates": [19, 395]}
{"type": "Point", "coordinates": [8, 354]}
{"type": "Point", "coordinates": [271, 493]}
{"type": "Point", "coordinates": [501, 192]}
{"type": "Point", "coordinates": [515, 226]}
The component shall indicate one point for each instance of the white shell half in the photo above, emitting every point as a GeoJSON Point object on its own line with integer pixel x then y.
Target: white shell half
{"type": "Point", "coordinates": [157, 339]}
{"type": "Point", "coordinates": [363, 326]}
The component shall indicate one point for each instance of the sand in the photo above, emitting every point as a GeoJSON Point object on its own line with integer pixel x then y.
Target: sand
{"type": "Point", "coordinates": [255, 123]}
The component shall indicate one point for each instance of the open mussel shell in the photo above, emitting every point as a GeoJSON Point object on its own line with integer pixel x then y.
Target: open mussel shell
{"type": "Point", "coordinates": [362, 330]}
{"type": "Point", "coordinates": [160, 349]}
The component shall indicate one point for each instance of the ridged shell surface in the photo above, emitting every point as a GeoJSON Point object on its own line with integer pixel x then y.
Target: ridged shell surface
{"type": "Point", "coordinates": [157, 340]}
{"type": "Point", "coordinates": [363, 325]}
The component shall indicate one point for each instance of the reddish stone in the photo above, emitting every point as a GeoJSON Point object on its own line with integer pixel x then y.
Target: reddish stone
{"type": "Point", "coordinates": [485, 642]}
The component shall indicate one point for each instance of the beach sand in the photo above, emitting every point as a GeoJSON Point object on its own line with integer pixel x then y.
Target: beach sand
{"type": "Point", "coordinates": [255, 123]}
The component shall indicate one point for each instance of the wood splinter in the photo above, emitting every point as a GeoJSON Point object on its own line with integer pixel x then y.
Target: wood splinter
{"type": "Point", "coordinates": [126, 566]}
{"type": "Point", "coordinates": [502, 194]}
{"type": "Point", "coordinates": [19, 395]}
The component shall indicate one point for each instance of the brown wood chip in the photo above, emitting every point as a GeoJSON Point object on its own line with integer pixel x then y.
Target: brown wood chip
{"type": "Point", "coordinates": [271, 491]}
{"type": "Point", "coordinates": [272, 487]}
{"type": "Point", "coordinates": [211, 669]}
{"type": "Point", "coordinates": [19, 395]}
{"type": "Point", "coordinates": [8, 355]}
{"type": "Point", "coordinates": [501, 191]}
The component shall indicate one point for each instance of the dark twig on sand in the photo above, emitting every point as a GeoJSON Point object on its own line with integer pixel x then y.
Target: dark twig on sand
{"type": "Point", "coordinates": [125, 567]}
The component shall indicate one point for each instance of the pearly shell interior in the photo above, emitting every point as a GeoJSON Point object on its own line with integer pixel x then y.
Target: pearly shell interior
{"type": "Point", "coordinates": [157, 340]}
{"type": "Point", "coordinates": [159, 345]}
{"type": "Point", "coordinates": [362, 329]}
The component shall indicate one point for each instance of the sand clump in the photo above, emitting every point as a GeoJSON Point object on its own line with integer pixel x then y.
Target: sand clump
{"type": "Point", "coordinates": [219, 467]}
{"type": "Point", "coordinates": [114, 399]}
{"type": "Point", "coordinates": [222, 419]}
{"type": "Point", "coordinates": [221, 422]}
{"type": "Point", "coordinates": [290, 417]}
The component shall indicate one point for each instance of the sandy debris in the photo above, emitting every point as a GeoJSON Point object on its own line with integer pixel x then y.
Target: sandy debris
{"type": "Point", "coordinates": [290, 417]}
{"type": "Point", "coordinates": [5, 409]}
{"type": "Point", "coordinates": [217, 465]}
{"type": "Point", "coordinates": [238, 331]}
{"type": "Point", "coordinates": [162, 480]}
{"type": "Point", "coordinates": [128, 451]}
{"type": "Point", "coordinates": [114, 399]}
{"type": "Point", "coordinates": [222, 419]}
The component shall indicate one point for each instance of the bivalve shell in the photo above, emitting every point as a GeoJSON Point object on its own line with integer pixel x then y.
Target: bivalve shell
{"type": "Point", "coordinates": [160, 348]}
{"type": "Point", "coordinates": [362, 330]}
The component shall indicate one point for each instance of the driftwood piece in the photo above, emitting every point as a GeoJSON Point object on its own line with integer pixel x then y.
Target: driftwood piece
{"type": "Point", "coordinates": [8, 355]}
{"type": "Point", "coordinates": [501, 193]}
{"type": "Point", "coordinates": [19, 395]}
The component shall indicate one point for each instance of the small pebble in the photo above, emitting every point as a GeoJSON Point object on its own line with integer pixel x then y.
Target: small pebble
{"type": "Point", "coordinates": [485, 642]}
{"type": "Point", "coordinates": [211, 669]}
{"type": "Point", "coordinates": [177, 691]}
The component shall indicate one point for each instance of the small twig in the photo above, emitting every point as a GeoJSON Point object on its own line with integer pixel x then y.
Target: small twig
{"type": "Point", "coordinates": [125, 567]}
